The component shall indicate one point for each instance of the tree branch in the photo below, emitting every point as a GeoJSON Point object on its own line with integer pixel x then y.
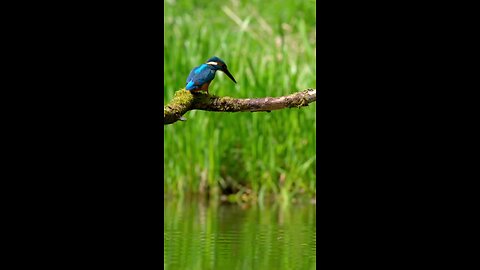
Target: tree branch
{"type": "Point", "coordinates": [185, 101]}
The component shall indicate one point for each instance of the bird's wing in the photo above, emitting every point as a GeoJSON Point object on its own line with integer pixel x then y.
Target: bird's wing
{"type": "Point", "coordinates": [204, 76]}
{"type": "Point", "coordinates": [190, 76]}
{"type": "Point", "coordinates": [195, 80]}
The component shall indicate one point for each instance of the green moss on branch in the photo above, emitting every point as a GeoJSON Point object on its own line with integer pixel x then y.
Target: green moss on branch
{"type": "Point", "coordinates": [185, 101]}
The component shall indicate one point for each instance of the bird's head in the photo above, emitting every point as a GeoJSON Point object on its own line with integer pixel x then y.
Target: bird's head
{"type": "Point", "coordinates": [218, 64]}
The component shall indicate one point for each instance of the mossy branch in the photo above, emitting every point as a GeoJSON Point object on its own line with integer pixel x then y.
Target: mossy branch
{"type": "Point", "coordinates": [185, 101]}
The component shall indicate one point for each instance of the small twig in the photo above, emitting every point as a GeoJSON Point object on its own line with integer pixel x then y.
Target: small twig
{"type": "Point", "coordinates": [185, 101]}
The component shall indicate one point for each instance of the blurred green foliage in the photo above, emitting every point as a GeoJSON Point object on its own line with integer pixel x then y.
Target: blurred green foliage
{"type": "Point", "coordinates": [270, 48]}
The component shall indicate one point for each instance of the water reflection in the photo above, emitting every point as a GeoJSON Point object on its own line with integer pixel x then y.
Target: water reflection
{"type": "Point", "coordinates": [211, 236]}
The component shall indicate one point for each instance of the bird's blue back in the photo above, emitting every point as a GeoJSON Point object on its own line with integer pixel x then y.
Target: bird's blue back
{"type": "Point", "coordinates": [199, 76]}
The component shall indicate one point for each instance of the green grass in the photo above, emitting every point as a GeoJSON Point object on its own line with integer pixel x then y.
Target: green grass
{"type": "Point", "coordinates": [269, 47]}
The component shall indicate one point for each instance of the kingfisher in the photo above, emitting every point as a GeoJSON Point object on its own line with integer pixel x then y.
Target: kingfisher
{"type": "Point", "coordinates": [200, 77]}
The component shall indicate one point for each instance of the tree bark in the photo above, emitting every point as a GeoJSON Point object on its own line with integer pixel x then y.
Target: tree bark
{"type": "Point", "coordinates": [185, 101]}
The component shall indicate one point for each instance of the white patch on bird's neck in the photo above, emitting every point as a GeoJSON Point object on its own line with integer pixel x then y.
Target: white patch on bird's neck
{"type": "Point", "coordinates": [212, 63]}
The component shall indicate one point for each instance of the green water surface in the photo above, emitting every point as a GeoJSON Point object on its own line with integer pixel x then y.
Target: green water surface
{"type": "Point", "coordinates": [199, 235]}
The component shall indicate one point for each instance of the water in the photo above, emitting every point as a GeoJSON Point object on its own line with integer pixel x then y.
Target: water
{"type": "Point", "coordinates": [211, 236]}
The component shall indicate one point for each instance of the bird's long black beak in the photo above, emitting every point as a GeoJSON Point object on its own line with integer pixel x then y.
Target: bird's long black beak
{"type": "Point", "coordinates": [225, 70]}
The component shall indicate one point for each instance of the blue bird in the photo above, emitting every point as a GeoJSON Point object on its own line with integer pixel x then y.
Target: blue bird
{"type": "Point", "coordinates": [200, 77]}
